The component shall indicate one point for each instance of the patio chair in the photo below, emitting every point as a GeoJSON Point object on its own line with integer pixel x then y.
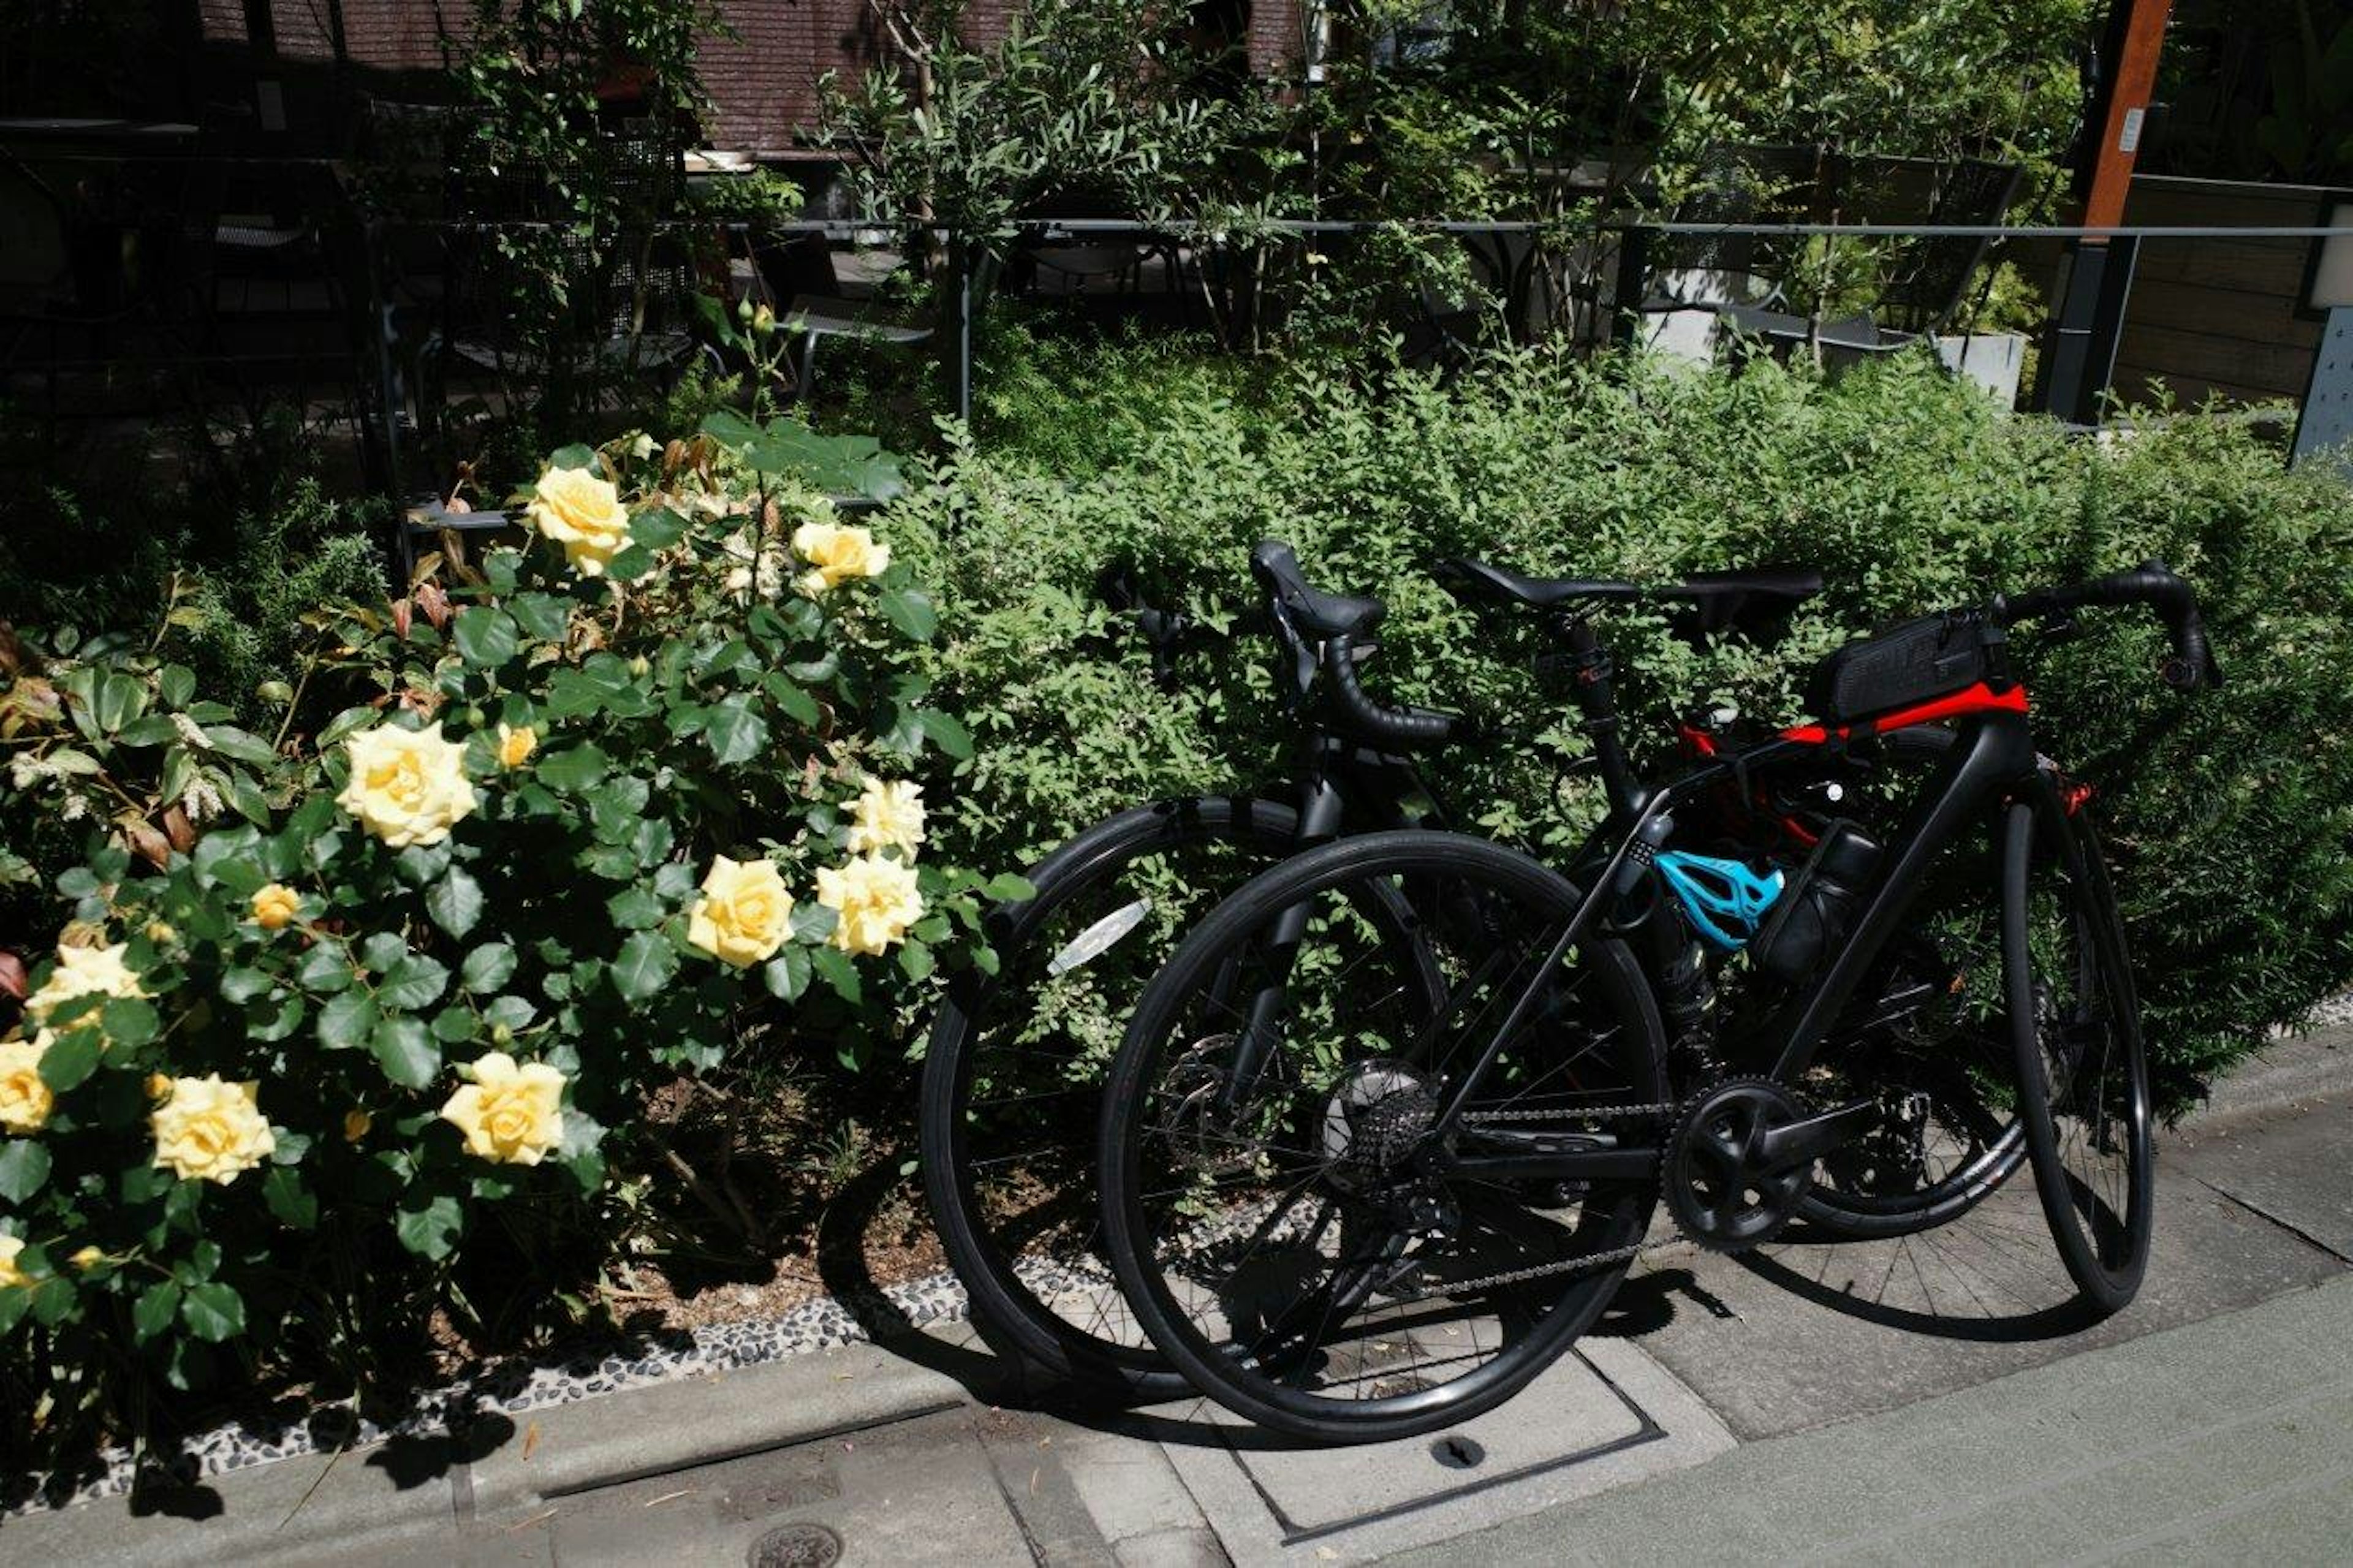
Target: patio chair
{"type": "Point", "coordinates": [1922, 285]}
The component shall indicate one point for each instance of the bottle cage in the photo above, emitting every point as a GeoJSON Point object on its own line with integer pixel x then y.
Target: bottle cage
{"type": "Point", "coordinates": [1713, 891]}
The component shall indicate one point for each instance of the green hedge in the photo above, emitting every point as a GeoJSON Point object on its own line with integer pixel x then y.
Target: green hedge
{"type": "Point", "coordinates": [2228, 816]}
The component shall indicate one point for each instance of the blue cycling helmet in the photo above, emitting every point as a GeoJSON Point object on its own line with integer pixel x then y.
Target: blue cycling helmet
{"type": "Point", "coordinates": [1713, 891]}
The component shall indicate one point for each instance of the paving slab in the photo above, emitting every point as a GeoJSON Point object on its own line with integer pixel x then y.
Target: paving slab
{"type": "Point", "coordinates": [2291, 1167]}
{"type": "Point", "coordinates": [2230, 1439]}
{"type": "Point", "coordinates": [1798, 1335]}
{"type": "Point", "coordinates": [921, 1495]}
{"type": "Point", "coordinates": [1602, 1416]}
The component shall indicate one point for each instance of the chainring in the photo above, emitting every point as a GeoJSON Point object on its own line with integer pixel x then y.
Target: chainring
{"type": "Point", "coordinates": [1717, 1200]}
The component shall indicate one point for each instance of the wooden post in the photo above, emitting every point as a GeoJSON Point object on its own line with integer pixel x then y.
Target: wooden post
{"type": "Point", "coordinates": [2081, 348]}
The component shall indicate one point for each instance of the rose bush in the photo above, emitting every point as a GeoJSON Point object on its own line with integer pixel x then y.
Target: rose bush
{"type": "Point", "coordinates": [608, 810]}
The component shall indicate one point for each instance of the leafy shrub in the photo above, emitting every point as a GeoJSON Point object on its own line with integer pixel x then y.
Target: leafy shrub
{"type": "Point", "coordinates": [609, 801]}
{"type": "Point", "coordinates": [2227, 814]}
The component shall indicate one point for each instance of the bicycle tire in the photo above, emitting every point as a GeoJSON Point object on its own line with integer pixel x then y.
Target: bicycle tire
{"type": "Point", "coordinates": [1837, 1215]}
{"type": "Point", "coordinates": [2101, 1225]}
{"type": "Point", "coordinates": [1201, 969]}
{"type": "Point", "coordinates": [1053, 1354]}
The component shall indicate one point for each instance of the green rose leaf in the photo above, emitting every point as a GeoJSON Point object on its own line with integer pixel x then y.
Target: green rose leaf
{"type": "Point", "coordinates": [1007, 888]}
{"type": "Point", "coordinates": [838, 971]}
{"type": "Point", "coordinates": [644, 965]}
{"type": "Point", "coordinates": [71, 1058]}
{"type": "Point", "coordinates": [735, 732]}
{"type": "Point", "coordinates": [278, 1021]}
{"type": "Point", "coordinates": [24, 1167]}
{"type": "Point", "coordinates": [486, 636]}
{"type": "Point", "coordinates": [796, 703]}
{"type": "Point", "coordinates": [325, 969]}
{"type": "Point", "coordinates": [117, 700]}
{"type": "Point", "coordinates": [177, 683]}
{"type": "Point", "coordinates": [430, 1227]}
{"type": "Point", "coordinates": [282, 1190]}
{"type": "Point", "coordinates": [787, 974]}
{"type": "Point", "coordinates": [454, 901]}
{"type": "Point", "coordinates": [132, 1021]}
{"type": "Point", "coordinates": [415, 982]}
{"type": "Point", "coordinates": [347, 1021]}
{"type": "Point", "coordinates": [541, 615]}
{"type": "Point", "coordinates": [635, 909]}
{"type": "Point", "coordinates": [244, 984]}
{"type": "Point", "coordinates": [213, 1311]}
{"type": "Point", "coordinates": [657, 528]}
{"type": "Point", "coordinates": [487, 968]}
{"type": "Point", "coordinates": [406, 1052]}
{"type": "Point", "coordinates": [155, 1311]}
{"type": "Point", "coordinates": [915, 960]}
{"type": "Point", "coordinates": [238, 746]}
{"type": "Point", "coordinates": [574, 768]}
{"type": "Point", "coordinates": [947, 732]}
{"type": "Point", "coordinates": [909, 609]}
{"type": "Point", "coordinates": [574, 455]}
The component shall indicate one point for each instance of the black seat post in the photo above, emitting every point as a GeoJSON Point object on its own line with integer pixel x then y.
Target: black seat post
{"type": "Point", "coordinates": [1592, 676]}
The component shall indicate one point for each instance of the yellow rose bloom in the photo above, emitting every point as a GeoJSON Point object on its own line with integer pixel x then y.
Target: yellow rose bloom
{"type": "Point", "coordinates": [515, 746]}
{"type": "Point", "coordinates": [407, 787]}
{"type": "Point", "coordinates": [512, 1114]}
{"type": "Point", "coordinates": [89, 1258]}
{"type": "Point", "coordinates": [25, 1100]}
{"type": "Point", "coordinates": [161, 934]}
{"type": "Point", "coordinates": [745, 913]}
{"type": "Point", "coordinates": [274, 906]}
{"type": "Point", "coordinates": [356, 1124]}
{"type": "Point", "coordinates": [584, 514]}
{"type": "Point", "coordinates": [876, 899]}
{"type": "Point", "coordinates": [887, 816]}
{"type": "Point", "coordinates": [84, 971]}
{"type": "Point", "coordinates": [836, 552]}
{"type": "Point", "coordinates": [9, 1273]}
{"type": "Point", "coordinates": [210, 1131]}
{"type": "Point", "coordinates": [158, 1087]}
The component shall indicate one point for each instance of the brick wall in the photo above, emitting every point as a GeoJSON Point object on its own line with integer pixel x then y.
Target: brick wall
{"type": "Point", "coordinates": [764, 81]}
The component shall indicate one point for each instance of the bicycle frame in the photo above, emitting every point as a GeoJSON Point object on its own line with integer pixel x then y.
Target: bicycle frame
{"type": "Point", "coordinates": [1994, 758]}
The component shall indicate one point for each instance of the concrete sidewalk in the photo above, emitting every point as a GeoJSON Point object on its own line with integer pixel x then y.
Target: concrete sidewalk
{"type": "Point", "coordinates": [1888, 1400]}
{"type": "Point", "coordinates": [2230, 1440]}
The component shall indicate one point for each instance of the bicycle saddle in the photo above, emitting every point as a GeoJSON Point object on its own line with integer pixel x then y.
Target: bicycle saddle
{"type": "Point", "coordinates": [1709, 601]}
{"type": "Point", "coordinates": [1317, 614]}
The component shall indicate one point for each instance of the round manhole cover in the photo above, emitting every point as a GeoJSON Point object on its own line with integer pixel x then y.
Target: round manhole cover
{"type": "Point", "coordinates": [796, 1546]}
{"type": "Point", "coordinates": [1457, 1452]}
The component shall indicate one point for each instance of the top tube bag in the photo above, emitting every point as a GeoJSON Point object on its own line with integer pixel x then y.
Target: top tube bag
{"type": "Point", "coordinates": [1910, 662]}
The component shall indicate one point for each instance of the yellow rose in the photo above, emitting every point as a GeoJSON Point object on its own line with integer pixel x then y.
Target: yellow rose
{"type": "Point", "coordinates": [515, 746]}
{"type": "Point", "coordinates": [887, 816]}
{"type": "Point", "coordinates": [876, 899]}
{"type": "Point", "coordinates": [584, 514]}
{"type": "Point", "coordinates": [9, 1273]}
{"type": "Point", "coordinates": [356, 1124]}
{"type": "Point", "coordinates": [745, 913]}
{"type": "Point", "coordinates": [89, 1258]}
{"type": "Point", "coordinates": [407, 786]}
{"type": "Point", "coordinates": [836, 552]}
{"type": "Point", "coordinates": [209, 1131]}
{"type": "Point", "coordinates": [84, 971]}
{"type": "Point", "coordinates": [158, 1087]}
{"type": "Point", "coordinates": [274, 906]}
{"type": "Point", "coordinates": [510, 1113]}
{"type": "Point", "coordinates": [161, 934]}
{"type": "Point", "coordinates": [25, 1100]}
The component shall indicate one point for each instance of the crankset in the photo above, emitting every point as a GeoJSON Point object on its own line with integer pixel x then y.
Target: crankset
{"type": "Point", "coordinates": [1741, 1156]}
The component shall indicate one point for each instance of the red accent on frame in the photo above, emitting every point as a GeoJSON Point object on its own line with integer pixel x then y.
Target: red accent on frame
{"type": "Point", "coordinates": [2075, 795]}
{"type": "Point", "coordinates": [1701, 743]}
{"type": "Point", "coordinates": [1978, 699]}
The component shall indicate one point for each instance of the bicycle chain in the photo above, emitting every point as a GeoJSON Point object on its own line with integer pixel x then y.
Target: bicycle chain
{"type": "Point", "coordinates": [1590, 1260]}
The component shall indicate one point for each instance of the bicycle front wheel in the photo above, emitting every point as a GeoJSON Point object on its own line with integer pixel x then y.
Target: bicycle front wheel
{"type": "Point", "coordinates": [2084, 1095]}
{"type": "Point", "coordinates": [1288, 1218]}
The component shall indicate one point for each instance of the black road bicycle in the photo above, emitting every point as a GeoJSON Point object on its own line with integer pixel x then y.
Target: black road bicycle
{"type": "Point", "coordinates": [1355, 1187]}
{"type": "Point", "coordinates": [1016, 1061]}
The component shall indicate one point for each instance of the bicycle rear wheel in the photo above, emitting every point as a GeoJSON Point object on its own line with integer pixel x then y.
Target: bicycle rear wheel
{"type": "Point", "coordinates": [1287, 1231]}
{"type": "Point", "coordinates": [1015, 1064]}
{"type": "Point", "coordinates": [2084, 1095]}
